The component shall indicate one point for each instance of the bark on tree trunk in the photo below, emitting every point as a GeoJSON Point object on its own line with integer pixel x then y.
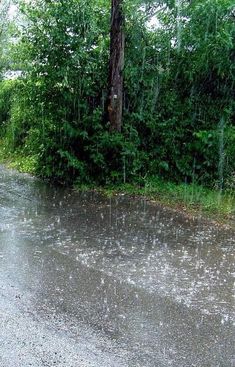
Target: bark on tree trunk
{"type": "Point", "coordinates": [116, 64]}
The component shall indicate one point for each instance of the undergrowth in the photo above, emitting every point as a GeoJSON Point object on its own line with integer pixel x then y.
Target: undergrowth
{"type": "Point", "coordinates": [192, 198]}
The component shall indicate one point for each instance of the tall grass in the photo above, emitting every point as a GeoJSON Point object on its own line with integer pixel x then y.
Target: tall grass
{"type": "Point", "coordinates": [191, 197]}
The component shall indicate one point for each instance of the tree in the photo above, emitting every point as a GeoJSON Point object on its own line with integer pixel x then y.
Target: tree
{"type": "Point", "coordinates": [4, 7]}
{"type": "Point", "coordinates": [177, 98]}
{"type": "Point", "coordinates": [116, 64]}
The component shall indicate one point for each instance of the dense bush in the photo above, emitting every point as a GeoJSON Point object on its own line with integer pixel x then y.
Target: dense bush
{"type": "Point", "coordinates": [5, 103]}
{"type": "Point", "coordinates": [178, 99]}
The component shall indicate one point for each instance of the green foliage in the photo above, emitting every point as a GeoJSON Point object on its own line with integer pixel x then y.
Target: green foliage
{"type": "Point", "coordinates": [197, 199]}
{"type": "Point", "coordinates": [179, 86]}
{"type": "Point", "coordinates": [185, 78]}
{"type": "Point", "coordinates": [6, 88]}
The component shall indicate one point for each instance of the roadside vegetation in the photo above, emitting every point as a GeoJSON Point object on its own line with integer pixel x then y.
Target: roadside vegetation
{"type": "Point", "coordinates": [168, 130]}
{"type": "Point", "coordinates": [191, 199]}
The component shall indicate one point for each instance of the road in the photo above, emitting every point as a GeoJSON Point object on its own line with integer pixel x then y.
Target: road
{"type": "Point", "coordinates": [93, 281]}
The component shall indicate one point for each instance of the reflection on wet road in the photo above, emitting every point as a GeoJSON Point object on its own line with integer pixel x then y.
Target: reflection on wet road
{"type": "Point", "coordinates": [91, 281]}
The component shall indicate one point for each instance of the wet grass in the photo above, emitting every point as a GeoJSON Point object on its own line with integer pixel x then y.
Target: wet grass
{"type": "Point", "coordinates": [190, 198]}
{"type": "Point", "coordinates": [16, 160]}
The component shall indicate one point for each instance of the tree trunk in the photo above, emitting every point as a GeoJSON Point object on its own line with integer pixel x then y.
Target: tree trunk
{"type": "Point", "coordinates": [116, 64]}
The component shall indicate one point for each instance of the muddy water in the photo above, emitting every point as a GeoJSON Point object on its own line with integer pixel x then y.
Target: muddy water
{"type": "Point", "coordinates": [92, 281]}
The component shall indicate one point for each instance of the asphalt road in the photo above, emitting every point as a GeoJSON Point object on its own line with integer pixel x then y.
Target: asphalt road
{"type": "Point", "coordinates": [91, 281]}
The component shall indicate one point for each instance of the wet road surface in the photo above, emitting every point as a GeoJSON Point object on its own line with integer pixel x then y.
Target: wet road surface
{"type": "Point", "coordinates": [92, 281]}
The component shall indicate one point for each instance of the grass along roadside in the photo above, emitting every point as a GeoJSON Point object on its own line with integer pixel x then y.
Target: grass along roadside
{"type": "Point", "coordinates": [192, 199]}
{"type": "Point", "coordinates": [16, 160]}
